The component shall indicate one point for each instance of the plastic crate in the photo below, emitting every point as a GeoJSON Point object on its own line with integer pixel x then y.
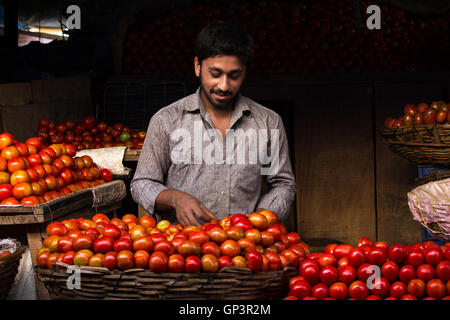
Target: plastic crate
{"type": "Point", "coordinates": [423, 171]}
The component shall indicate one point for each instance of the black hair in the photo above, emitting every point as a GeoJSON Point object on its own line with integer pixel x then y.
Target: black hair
{"type": "Point", "coordinates": [222, 38]}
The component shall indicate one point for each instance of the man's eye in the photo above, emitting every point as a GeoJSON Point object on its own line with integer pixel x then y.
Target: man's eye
{"type": "Point", "coordinates": [215, 75]}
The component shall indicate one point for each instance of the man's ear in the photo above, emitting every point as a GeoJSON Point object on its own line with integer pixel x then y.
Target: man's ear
{"type": "Point", "coordinates": [197, 67]}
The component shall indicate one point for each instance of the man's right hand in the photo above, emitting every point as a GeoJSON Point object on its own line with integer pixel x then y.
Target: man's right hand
{"type": "Point", "coordinates": [186, 207]}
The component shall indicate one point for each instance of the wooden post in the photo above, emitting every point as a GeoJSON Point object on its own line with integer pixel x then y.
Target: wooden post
{"type": "Point", "coordinates": [142, 212]}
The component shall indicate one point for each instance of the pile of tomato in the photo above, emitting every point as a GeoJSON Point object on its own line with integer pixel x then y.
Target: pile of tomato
{"type": "Point", "coordinates": [415, 115]}
{"type": "Point", "coordinates": [256, 241]}
{"type": "Point", "coordinates": [89, 134]}
{"type": "Point", "coordinates": [31, 174]}
{"type": "Point", "coordinates": [374, 271]}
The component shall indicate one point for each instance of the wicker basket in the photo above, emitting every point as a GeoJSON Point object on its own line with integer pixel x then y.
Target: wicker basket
{"type": "Point", "coordinates": [229, 283]}
{"type": "Point", "coordinates": [8, 269]}
{"type": "Point", "coordinates": [423, 145]}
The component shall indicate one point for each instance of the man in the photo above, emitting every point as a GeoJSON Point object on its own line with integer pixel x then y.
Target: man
{"type": "Point", "coordinates": [191, 168]}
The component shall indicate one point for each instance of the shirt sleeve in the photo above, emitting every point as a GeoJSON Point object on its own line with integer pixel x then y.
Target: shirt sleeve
{"type": "Point", "coordinates": [280, 177]}
{"type": "Point", "coordinates": [152, 166]}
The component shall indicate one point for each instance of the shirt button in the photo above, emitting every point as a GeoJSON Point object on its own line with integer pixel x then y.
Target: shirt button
{"type": "Point", "coordinates": [222, 193]}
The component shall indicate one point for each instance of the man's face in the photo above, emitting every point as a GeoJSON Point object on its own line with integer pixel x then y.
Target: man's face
{"type": "Point", "coordinates": [221, 78]}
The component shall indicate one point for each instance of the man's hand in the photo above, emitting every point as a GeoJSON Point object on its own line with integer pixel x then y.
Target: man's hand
{"type": "Point", "coordinates": [186, 207]}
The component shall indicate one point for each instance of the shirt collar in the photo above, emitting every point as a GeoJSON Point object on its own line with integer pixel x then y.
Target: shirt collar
{"type": "Point", "coordinates": [195, 103]}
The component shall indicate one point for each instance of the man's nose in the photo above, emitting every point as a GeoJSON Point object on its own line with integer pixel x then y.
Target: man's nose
{"type": "Point", "coordinates": [223, 84]}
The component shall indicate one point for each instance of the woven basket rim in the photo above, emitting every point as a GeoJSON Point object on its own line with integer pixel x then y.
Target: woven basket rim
{"type": "Point", "coordinates": [13, 257]}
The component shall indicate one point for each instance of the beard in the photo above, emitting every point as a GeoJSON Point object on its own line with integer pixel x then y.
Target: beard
{"type": "Point", "coordinates": [220, 105]}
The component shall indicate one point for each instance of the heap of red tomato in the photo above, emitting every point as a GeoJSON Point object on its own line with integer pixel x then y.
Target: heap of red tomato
{"type": "Point", "coordinates": [374, 271]}
{"type": "Point", "coordinates": [256, 241]}
{"type": "Point", "coordinates": [31, 174]}
{"type": "Point", "coordinates": [422, 114]}
{"type": "Point", "coordinates": [88, 134]}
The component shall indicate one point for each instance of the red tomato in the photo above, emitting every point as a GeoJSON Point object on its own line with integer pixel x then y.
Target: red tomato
{"type": "Point", "coordinates": [406, 273]}
{"type": "Point", "coordinates": [389, 270]}
{"type": "Point", "coordinates": [330, 248]}
{"type": "Point", "coordinates": [274, 261]}
{"type": "Point", "coordinates": [225, 261]}
{"type": "Point", "coordinates": [192, 264]}
{"type": "Point", "coordinates": [110, 260]}
{"type": "Point", "coordinates": [122, 244]}
{"type": "Point", "coordinates": [290, 298]}
{"type": "Point", "coordinates": [436, 288]}
{"type": "Point", "coordinates": [356, 257]}
{"type": "Point", "coordinates": [380, 287]}
{"type": "Point", "coordinates": [5, 191]}
{"type": "Point", "coordinates": [358, 290]}
{"type": "Point", "coordinates": [425, 272]}
{"type": "Point", "coordinates": [275, 230]}
{"type": "Point", "coordinates": [342, 250]}
{"type": "Point", "coordinates": [255, 260]}
{"type": "Point", "coordinates": [408, 297]}
{"type": "Point", "coordinates": [190, 248]}
{"type": "Point", "coordinates": [111, 230]}
{"type": "Point", "coordinates": [293, 258]}
{"type": "Point", "coordinates": [397, 253]}
{"type": "Point", "coordinates": [416, 287]}
{"type": "Point", "coordinates": [300, 289]}
{"type": "Point", "coordinates": [327, 259]}
{"type": "Point", "coordinates": [293, 237]}
{"type": "Point", "coordinates": [143, 243]}
{"type": "Point", "coordinates": [415, 257]}
{"type": "Point", "coordinates": [81, 257]}
{"type": "Point", "coordinates": [433, 255]}
{"type": "Point", "coordinates": [164, 246]}
{"type": "Point", "coordinates": [210, 248]}
{"type": "Point", "coordinates": [376, 256]}
{"type": "Point", "coordinates": [319, 291]}
{"type": "Point", "coordinates": [158, 262]}
{"type": "Point", "coordinates": [103, 244]}
{"type": "Point", "coordinates": [83, 242]}
{"type": "Point", "coordinates": [141, 259]}
{"type": "Point", "coordinates": [373, 297]}
{"type": "Point", "coordinates": [382, 245]}
{"type": "Point", "coordinates": [328, 275]}
{"type": "Point", "coordinates": [311, 273]}
{"type": "Point", "coordinates": [363, 272]}
{"type": "Point", "coordinates": [65, 244]}
{"type": "Point", "coordinates": [218, 234]}
{"type": "Point", "coordinates": [342, 262]}
{"type": "Point", "coordinates": [125, 260]}
{"type": "Point", "coordinates": [363, 241]}
{"type": "Point", "coordinates": [176, 263]}
{"type": "Point", "coordinates": [443, 270]}
{"type": "Point", "coordinates": [106, 175]}
{"type": "Point", "coordinates": [398, 289]}
{"type": "Point", "coordinates": [347, 274]}
{"type": "Point", "coordinates": [57, 228]}
{"type": "Point", "coordinates": [230, 248]}
{"type": "Point", "coordinates": [259, 221]}
{"type": "Point", "coordinates": [338, 290]}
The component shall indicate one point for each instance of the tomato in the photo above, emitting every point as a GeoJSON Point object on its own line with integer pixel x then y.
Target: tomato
{"type": "Point", "coordinates": [272, 217]}
{"type": "Point", "coordinates": [103, 244]}
{"type": "Point", "coordinates": [373, 297]}
{"type": "Point", "coordinates": [406, 273]}
{"type": "Point", "coordinates": [157, 236]}
{"type": "Point", "coordinates": [106, 174]}
{"type": "Point", "coordinates": [141, 259]}
{"type": "Point", "coordinates": [416, 287]}
{"type": "Point", "coordinates": [189, 248]}
{"type": "Point", "coordinates": [425, 272]}
{"type": "Point", "coordinates": [358, 290]}
{"type": "Point", "coordinates": [293, 237]}
{"type": "Point", "coordinates": [22, 190]}
{"type": "Point", "coordinates": [255, 260]}
{"type": "Point", "coordinates": [53, 258]}
{"type": "Point", "coordinates": [443, 270]}
{"type": "Point", "coordinates": [56, 228]}
{"type": "Point", "coordinates": [274, 261]}
{"type": "Point", "coordinates": [311, 273]}
{"type": "Point", "coordinates": [347, 274]}
{"type": "Point", "coordinates": [415, 257]}
{"type": "Point", "coordinates": [376, 256]}
{"type": "Point", "coordinates": [252, 234]}
{"type": "Point", "coordinates": [192, 264]}
{"type": "Point", "coordinates": [201, 237]}
{"type": "Point", "coordinates": [164, 246]}
{"type": "Point", "coordinates": [146, 221]}
{"type": "Point", "coordinates": [319, 291]}
{"type": "Point", "coordinates": [65, 244]}
{"type": "Point", "coordinates": [210, 248]}
{"type": "Point", "coordinates": [163, 225]}
{"type": "Point", "coordinates": [326, 259]}
{"type": "Point", "coordinates": [363, 241]}
{"type": "Point", "coordinates": [125, 260]}
{"type": "Point", "coordinates": [293, 258]}
{"type": "Point", "coordinates": [408, 297]}
{"type": "Point", "coordinates": [123, 244]}
{"type": "Point", "coordinates": [111, 230]}
{"type": "Point", "coordinates": [110, 260]}
{"type": "Point", "coordinates": [81, 257]}
{"type": "Point", "coordinates": [397, 253]}
{"type": "Point", "coordinates": [389, 270]}
{"type": "Point", "coordinates": [366, 248]}
{"type": "Point", "coordinates": [144, 243]}
{"type": "Point", "coordinates": [230, 248]}
{"type": "Point", "coordinates": [329, 275]}
{"type": "Point", "coordinates": [68, 257]}
{"type": "Point", "coordinates": [83, 242]}
{"type": "Point", "coordinates": [267, 238]}
{"type": "Point", "coordinates": [96, 260]}
{"type": "Point", "coordinates": [5, 191]}
{"type": "Point", "coordinates": [363, 272]}
{"type": "Point", "coordinates": [342, 250]}
{"type": "Point", "coordinates": [433, 255]}
{"type": "Point", "coordinates": [398, 289]}
{"type": "Point", "coordinates": [225, 223]}
{"type": "Point", "coordinates": [298, 250]}
{"type": "Point", "coordinates": [338, 290]}
{"type": "Point", "coordinates": [356, 257]}
{"type": "Point", "coordinates": [100, 217]}
{"type": "Point", "coordinates": [225, 261]}
{"type": "Point", "coordinates": [209, 263]}
{"type": "Point", "coordinates": [258, 220]}
{"type": "Point", "coordinates": [300, 289]}
{"type": "Point", "coordinates": [436, 288]}
{"type": "Point", "coordinates": [380, 287]}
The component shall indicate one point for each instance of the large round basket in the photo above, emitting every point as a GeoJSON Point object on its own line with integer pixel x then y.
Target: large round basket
{"type": "Point", "coordinates": [229, 283]}
{"type": "Point", "coordinates": [423, 144]}
{"type": "Point", "coordinates": [8, 269]}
